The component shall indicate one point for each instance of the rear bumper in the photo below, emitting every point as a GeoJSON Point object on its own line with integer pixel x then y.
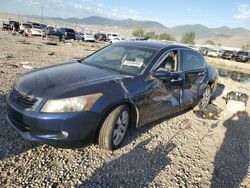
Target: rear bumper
{"type": "Point", "coordinates": [61, 130]}
{"type": "Point", "coordinates": [241, 59]}
{"type": "Point", "coordinates": [37, 33]}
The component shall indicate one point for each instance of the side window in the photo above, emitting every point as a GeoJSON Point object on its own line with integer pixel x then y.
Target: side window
{"type": "Point", "coordinates": [191, 60]}
{"type": "Point", "coordinates": [170, 62]}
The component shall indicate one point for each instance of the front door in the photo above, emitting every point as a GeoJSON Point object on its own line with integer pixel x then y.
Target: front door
{"type": "Point", "coordinates": [194, 75]}
{"type": "Point", "coordinates": [162, 96]}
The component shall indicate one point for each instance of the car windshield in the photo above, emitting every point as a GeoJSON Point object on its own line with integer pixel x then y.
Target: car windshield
{"type": "Point", "coordinates": [122, 59]}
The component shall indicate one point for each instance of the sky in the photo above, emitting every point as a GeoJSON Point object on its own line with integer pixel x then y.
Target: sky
{"type": "Point", "coordinates": [212, 13]}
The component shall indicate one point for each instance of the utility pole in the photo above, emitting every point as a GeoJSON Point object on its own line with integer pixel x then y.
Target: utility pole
{"type": "Point", "coordinates": [76, 24]}
{"type": "Point", "coordinates": [42, 13]}
{"type": "Point", "coordinates": [42, 6]}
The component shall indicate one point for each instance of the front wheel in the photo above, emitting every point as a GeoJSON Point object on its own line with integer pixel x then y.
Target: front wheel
{"type": "Point", "coordinates": [114, 128]}
{"type": "Point", "coordinates": [205, 98]}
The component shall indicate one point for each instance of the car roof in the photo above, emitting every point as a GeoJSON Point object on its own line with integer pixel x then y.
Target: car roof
{"type": "Point", "coordinates": [151, 44]}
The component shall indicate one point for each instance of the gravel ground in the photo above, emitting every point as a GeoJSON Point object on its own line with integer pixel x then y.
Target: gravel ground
{"type": "Point", "coordinates": [184, 150]}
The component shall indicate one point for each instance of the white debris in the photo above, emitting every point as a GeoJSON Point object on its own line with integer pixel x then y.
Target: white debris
{"type": "Point", "coordinates": [24, 63]}
{"type": "Point", "coordinates": [235, 106]}
{"type": "Point", "coordinates": [28, 67]}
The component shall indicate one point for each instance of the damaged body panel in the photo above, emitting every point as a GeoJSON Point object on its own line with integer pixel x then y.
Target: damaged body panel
{"type": "Point", "coordinates": [68, 104]}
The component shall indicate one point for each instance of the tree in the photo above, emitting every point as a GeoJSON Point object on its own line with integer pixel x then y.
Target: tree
{"type": "Point", "coordinates": [210, 42]}
{"type": "Point", "coordinates": [245, 47]}
{"type": "Point", "coordinates": [188, 38]}
{"type": "Point", "coordinates": [151, 35]}
{"type": "Point", "coordinates": [166, 36]}
{"type": "Point", "coordinates": [138, 33]}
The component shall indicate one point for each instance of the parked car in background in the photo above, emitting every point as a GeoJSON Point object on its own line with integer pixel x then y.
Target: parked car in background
{"type": "Point", "coordinates": [10, 25]}
{"type": "Point", "coordinates": [36, 30]}
{"type": "Point", "coordinates": [85, 37]}
{"type": "Point", "coordinates": [96, 99]}
{"type": "Point", "coordinates": [115, 39]}
{"type": "Point", "coordinates": [65, 33]}
{"type": "Point", "coordinates": [242, 56]}
{"type": "Point", "coordinates": [14, 24]}
{"type": "Point", "coordinates": [49, 30]}
{"type": "Point", "coordinates": [138, 39]}
{"type": "Point", "coordinates": [24, 26]}
{"type": "Point", "coordinates": [203, 50]}
{"type": "Point", "coordinates": [112, 36]}
{"type": "Point", "coordinates": [213, 53]}
{"type": "Point", "coordinates": [101, 37]}
{"type": "Point", "coordinates": [220, 52]}
{"type": "Point", "coordinates": [6, 26]}
{"type": "Point", "coordinates": [194, 47]}
{"type": "Point", "coordinates": [227, 54]}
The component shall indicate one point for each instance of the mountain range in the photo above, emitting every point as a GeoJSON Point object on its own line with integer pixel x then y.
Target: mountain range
{"type": "Point", "coordinates": [235, 37]}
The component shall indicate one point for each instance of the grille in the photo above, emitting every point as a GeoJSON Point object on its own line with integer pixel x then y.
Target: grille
{"type": "Point", "coordinates": [22, 99]}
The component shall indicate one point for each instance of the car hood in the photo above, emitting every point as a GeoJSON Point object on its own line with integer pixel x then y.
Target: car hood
{"type": "Point", "coordinates": [54, 79]}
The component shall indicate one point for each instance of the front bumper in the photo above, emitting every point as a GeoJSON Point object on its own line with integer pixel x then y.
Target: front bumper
{"type": "Point", "coordinates": [60, 130]}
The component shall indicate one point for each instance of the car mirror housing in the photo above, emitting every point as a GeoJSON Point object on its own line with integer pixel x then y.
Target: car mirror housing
{"type": "Point", "coordinates": [162, 75]}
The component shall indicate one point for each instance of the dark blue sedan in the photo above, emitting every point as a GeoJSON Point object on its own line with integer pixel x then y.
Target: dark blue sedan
{"type": "Point", "coordinates": [96, 100]}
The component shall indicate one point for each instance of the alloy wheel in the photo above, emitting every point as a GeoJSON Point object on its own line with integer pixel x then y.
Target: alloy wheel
{"type": "Point", "coordinates": [120, 128]}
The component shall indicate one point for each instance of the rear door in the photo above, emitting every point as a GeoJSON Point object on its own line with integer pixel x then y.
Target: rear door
{"type": "Point", "coordinates": [194, 77]}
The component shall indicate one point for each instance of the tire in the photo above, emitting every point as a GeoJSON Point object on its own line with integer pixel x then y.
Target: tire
{"type": "Point", "coordinates": [206, 97]}
{"type": "Point", "coordinates": [114, 128]}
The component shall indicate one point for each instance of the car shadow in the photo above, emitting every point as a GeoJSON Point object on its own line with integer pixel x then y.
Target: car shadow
{"type": "Point", "coordinates": [133, 133]}
{"type": "Point", "coordinates": [142, 166]}
{"type": "Point", "coordinates": [11, 143]}
{"type": "Point", "coordinates": [232, 159]}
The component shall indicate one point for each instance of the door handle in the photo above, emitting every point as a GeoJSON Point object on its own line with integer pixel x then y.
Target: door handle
{"type": "Point", "coordinates": [201, 73]}
{"type": "Point", "coordinates": [176, 79]}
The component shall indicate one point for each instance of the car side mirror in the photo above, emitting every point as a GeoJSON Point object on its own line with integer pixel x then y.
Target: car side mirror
{"type": "Point", "coordinates": [162, 75]}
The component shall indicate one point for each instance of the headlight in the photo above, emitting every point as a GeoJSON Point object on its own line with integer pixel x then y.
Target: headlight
{"type": "Point", "coordinates": [74, 104]}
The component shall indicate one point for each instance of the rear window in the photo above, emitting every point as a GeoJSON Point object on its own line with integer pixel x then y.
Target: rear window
{"type": "Point", "coordinates": [213, 50]}
{"type": "Point", "coordinates": [69, 30]}
{"type": "Point", "coordinates": [228, 52]}
{"type": "Point", "coordinates": [37, 27]}
{"type": "Point", "coordinates": [243, 53]}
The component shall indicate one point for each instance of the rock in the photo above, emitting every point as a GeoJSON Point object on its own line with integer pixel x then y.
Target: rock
{"type": "Point", "coordinates": [28, 67]}
{"type": "Point", "coordinates": [6, 56]}
{"type": "Point", "coordinates": [51, 53]}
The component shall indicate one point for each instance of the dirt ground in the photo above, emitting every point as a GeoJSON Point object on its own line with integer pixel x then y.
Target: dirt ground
{"type": "Point", "coordinates": [184, 150]}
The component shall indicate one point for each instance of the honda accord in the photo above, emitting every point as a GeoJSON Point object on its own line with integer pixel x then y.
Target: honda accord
{"type": "Point", "coordinates": [96, 99]}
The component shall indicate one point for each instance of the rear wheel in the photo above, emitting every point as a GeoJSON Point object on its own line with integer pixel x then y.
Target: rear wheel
{"type": "Point", "coordinates": [114, 128]}
{"type": "Point", "coordinates": [205, 98]}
